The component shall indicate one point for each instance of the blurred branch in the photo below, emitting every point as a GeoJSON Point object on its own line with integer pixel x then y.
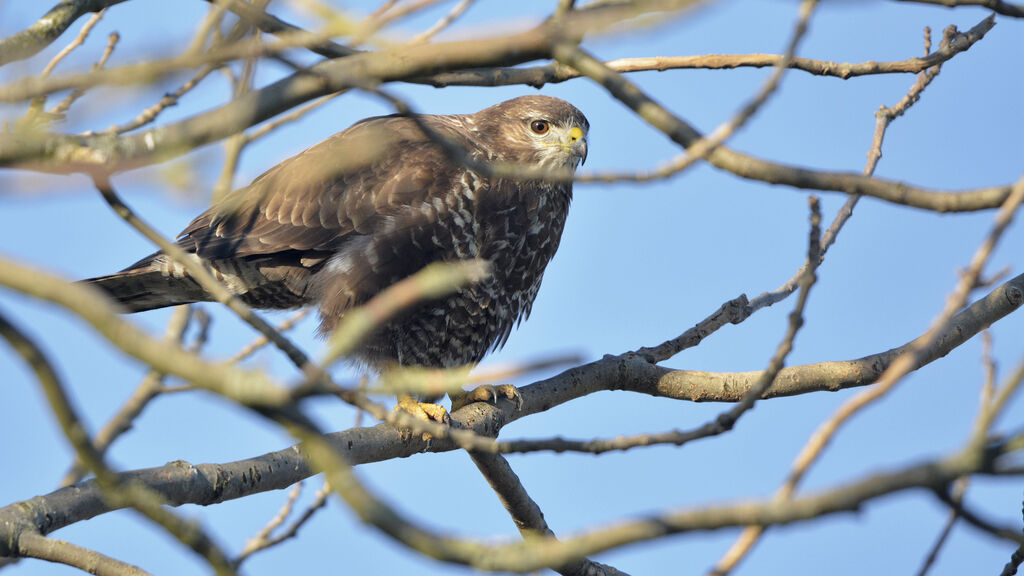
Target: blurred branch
{"type": "Point", "coordinates": [35, 114]}
{"type": "Point", "coordinates": [444, 22]}
{"type": "Point", "coordinates": [1016, 559]}
{"type": "Point", "coordinates": [433, 281]}
{"type": "Point", "coordinates": [976, 520]}
{"type": "Point", "coordinates": [998, 6]}
{"type": "Point", "coordinates": [78, 40]}
{"type": "Point", "coordinates": [206, 484]}
{"type": "Point", "coordinates": [245, 387]}
{"type": "Point", "coordinates": [150, 387]}
{"type": "Point", "coordinates": [33, 545]}
{"type": "Point", "coordinates": [112, 490]}
{"type": "Point", "coordinates": [274, 25]}
{"type": "Point", "coordinates": [48, 28]}
{"type": "Point", "coordinates": [292, 116]}
{"type": "Point", "coordinates": [169, 99]}
{"type": "Point", "coordinates": [199, 272]}
{"type": "Point", "coordinates": [261, 341]}
{"type": "Point", "coordinates": [64, 105]}
{"type": "Point", "coordinates": [958, 493]}
{"type": "Point", "coordinates": [265, 538]}
{"type": "Point", "coordinates": [991, 410]}
{"type": "Point", "coordinates": [100, 153]}
{"type": "Point", "coordinates": [366, 68]}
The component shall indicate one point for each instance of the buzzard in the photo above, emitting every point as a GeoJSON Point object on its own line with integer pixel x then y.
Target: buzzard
{"type": "Point", "coordinates": [345, 219]}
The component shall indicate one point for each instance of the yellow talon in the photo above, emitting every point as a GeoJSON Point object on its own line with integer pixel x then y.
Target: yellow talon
{"type": "Point", "coordinates": [489, 394]}
{"type": "Point", "coordinates": [425, 411]}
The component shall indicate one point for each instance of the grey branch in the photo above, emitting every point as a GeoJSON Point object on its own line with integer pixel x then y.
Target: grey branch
{"type": "Point", "coordinates": [180, 482]}
{"type": "Point", "coordinates": [527, 514]}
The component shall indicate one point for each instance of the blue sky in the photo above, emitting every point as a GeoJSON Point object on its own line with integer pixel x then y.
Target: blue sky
{"type": "Point", "coordinates": [638, 264]}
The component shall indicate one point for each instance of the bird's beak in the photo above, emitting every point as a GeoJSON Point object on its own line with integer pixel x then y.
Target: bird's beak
{"type": "Point", "coordinates": [578, 144]}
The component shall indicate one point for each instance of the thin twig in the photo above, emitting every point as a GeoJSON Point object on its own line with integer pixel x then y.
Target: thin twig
{"type": "Point", "coordinates": [977, 521]}
{"type": "Point", "coordinates": [261, 341]}
{"type": "Point", "coordinates": [933, 553]}
{"type": "Point", "coordinates": [64, 105]}
{"type": "Point", "coordinates": [36, 106]}
{"type": "Point", "coordinates": [169, 99]}
{"type": "Point", "coordinates": [265, 540]}
{"type": "Point", "coordinates": [443, 23]}
{"type": "Point", "coordinates": [527, 515]}
{"type": "Point", "coordinates": [268, 127]}
{"type": "Point", "coordinates": [1016, 559]}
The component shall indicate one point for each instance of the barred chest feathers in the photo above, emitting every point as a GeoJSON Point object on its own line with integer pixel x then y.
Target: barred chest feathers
{"type": "Point", "coordinates": [515, 227]}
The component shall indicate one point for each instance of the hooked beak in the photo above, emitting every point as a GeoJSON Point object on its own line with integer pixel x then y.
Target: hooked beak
{"type": "Point", "coordinates": [578, 144]}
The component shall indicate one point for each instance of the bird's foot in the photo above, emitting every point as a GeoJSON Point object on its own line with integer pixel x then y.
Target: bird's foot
{"type": "Point", "coordinates": [489, 394]}
{"type": "Point", "coordinates": [426, 411]}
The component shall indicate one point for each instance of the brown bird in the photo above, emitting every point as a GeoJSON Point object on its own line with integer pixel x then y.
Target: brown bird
{"type": "Point", "coordinates": [345, 219]}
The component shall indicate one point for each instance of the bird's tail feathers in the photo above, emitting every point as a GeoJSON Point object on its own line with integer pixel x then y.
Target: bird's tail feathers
{"type": "Point", "coordinates": [153, 282]}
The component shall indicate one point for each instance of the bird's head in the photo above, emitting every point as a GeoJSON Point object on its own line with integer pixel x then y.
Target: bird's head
{"type": "Point", "coordinates": [536, 130]}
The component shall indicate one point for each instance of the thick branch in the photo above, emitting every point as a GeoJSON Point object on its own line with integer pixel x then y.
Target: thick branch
{"type": "Point", "coordinates": [832, 376]}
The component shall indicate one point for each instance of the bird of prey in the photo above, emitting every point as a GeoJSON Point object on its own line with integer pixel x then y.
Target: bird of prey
{"type": "Point", "coordinates": [340, 222]}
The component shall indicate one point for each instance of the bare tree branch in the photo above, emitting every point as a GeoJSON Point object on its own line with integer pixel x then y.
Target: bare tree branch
{"type": "Point", "coordinates": [32, 545]}
{"type": "Point", "coordinates": [526, 513]}
{"type": "Point", "coordinates": [998, 6]}
{"type": "Point", "coordinates": [749, 167]}
{"type": "Point", "coordinates": [204, 485]}
{"type": "Point", "coordinates": [44, 31]}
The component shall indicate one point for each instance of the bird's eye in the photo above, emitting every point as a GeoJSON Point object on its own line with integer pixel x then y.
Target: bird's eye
{"type": "Point", "coordinates": [540, 126]}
